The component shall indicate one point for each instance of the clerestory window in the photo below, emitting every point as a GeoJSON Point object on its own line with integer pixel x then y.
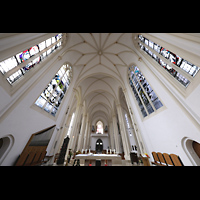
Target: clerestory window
{"type": "Point", "coordinates": [127, 124]}
{"type": "Point", "coordinates": [183, 64]}
{"type": "Point", "coordinates": [18, 65]}
{"type": "Point", "coordinates": [99, 125]}
{"type": "Point", "coordinates": [147, 99]}
{"type": "Point", "coordinates": [50, 99]}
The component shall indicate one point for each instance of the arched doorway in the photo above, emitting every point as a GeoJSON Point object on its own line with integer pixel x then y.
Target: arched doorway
{"type": "Point", "coordinates": [196, 147]}
{"type": "Point", "coordinates": [99, 146]}
{"type": "Point", "coordinates": [5, 146]}
{"type": "Point", "coordinates": [192, 150]}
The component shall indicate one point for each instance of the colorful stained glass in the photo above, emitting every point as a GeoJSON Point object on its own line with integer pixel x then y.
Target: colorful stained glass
{"type": "Point", "coordinates": [172, 58]}
{"type": "Point", "coordinates": [24, 56]}
{"type": "Point", "coordinates": [175, 59]}
{"type": "Point", "coordinates": [164, 52]}
{"type": "Point", "coordinates": [142, 90]}
{"type": "Point", "coordinates": [20, 57]}
{"type": "Point", "coordinates": [28, 66]}
{"type": "Point", "coordinates": [55, 90]}
{"type": "Point", "coordinates": [33, 50]}
{"type": "Point", "coordinates": [179, 59]}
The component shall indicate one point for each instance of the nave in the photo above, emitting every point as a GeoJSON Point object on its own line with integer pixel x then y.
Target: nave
{"type": "Point", "coordinates": [109, 99]}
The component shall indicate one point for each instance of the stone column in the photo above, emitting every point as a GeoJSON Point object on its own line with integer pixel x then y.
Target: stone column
{"type": "Point", "coordinates": [80, 139]}
{"type": "Point", "coordinates": [88, 136]}
{"type": "Point", "coordinates": [86, 133]}
{"type": "Point", "coordinates": [137, 132]}
{"type": "Point", "coordinates": [112, 146]}
{"type": "Point", "coordinates": [116, 133]}
{"type": "Point", "coordinates": [125, 139]}
{"type": "Point", "coordinates": [75, 127]}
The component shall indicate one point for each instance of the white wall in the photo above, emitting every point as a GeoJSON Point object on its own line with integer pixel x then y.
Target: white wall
{"type": "Point", "coordinates": [22, 118]}
{"type": "Point", "coordinates": [164, 129]}
{"type": "Point", "coordinates": [105, 139]}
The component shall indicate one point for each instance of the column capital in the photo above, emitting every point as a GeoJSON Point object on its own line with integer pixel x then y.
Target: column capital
{"type": "Point", "coordinates": [74, 89]}
{"type": "Point", "coordinates": [114, 115]}
{"type": "Point", "coordinates": [80, 104]}
{"type": "Point", "coordinates": [118, 105]}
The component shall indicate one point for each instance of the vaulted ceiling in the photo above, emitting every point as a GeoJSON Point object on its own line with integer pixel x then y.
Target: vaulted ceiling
{"type": "Point", "coordinates": [100, 62]}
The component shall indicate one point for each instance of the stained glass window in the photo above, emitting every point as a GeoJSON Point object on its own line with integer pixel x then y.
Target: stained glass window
{"type": "Point", "coordinates": [172, 57]}
{"type": "Point", "coordinates": [144, 94]}
{"type": "Point", "coordinates": [21, 57]}
{"type": "Point", "coordinates": [8, 64]}
{"type": "Point", "coordinates": [127, 124]}
{"type": "Point", "coordinates": [164, 52]}
{"type": "Point", "coordinates": [50, 99]}
{"type": "Point", "coordinates": [24, 55]}
{"type": "Point", "coordinates": [99, 127]}
{"type": "Point", "coordinates": [33, 50]}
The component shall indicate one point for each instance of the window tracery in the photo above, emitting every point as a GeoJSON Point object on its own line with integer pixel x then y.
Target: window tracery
{"type": "Point", "coordinates": [50, 99]}
{"type": "Point", "coordinates": [147, 99]}
{"type": "Point", "coordinates": [99, 125]}
{"type": "Point", "coordinates": [15, 63]}
{"type": "Point", "coordinates": [183, 64]}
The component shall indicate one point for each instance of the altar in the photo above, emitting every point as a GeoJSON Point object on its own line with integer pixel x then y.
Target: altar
{"type": "Point", "coordinates": [98, 159]}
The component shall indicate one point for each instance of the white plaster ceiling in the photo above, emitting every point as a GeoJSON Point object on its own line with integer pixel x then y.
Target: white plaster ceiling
{"type": "Point", "coordinates": [100, 61]}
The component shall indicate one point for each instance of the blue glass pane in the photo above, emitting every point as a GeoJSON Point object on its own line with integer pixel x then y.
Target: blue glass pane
{"type": "Point", "coordinates": [24, 55]}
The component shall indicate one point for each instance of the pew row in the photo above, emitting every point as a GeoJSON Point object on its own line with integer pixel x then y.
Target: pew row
{"type": "Point", "coordinates": [164, 159]}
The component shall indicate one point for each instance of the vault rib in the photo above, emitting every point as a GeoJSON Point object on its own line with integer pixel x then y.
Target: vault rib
{"type": "Point", "coordinates": [106, 40]}
{"type": "Point", "coordinates": [94, 41]}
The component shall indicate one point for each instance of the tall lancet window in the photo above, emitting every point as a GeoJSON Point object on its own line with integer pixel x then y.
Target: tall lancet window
{"type": "Point", "coordinates": [170, 61]}
{"type": "Point", "coordinates": [99, 127]}
{"type": "Point", "coordinates": [50, 99]}
{"type": "Point", "coordinates": [18, 65]}
{"type": "Point", "coordinates": [144, 94]}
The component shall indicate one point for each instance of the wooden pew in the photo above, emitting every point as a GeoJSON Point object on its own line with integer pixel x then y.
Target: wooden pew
{"type": "Point", "coordinates": [29, 159]}
{"type": "Point", "coordinates": [22, 159]}
{"type": "Point", "coordinates": [35, 150]}
{"type": "Point", "coordinates": [168, 159]}
{"type": "Point", "coordinates": [32, 157]}
{"type": "Point", "coordinates": [156, 159]}
{"type": "Point", "coordinates": [176, 160]}
{"type": "Point", "coordinates": [164, 159]}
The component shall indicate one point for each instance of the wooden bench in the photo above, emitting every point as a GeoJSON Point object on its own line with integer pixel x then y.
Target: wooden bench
{"type": "Point", "coordinates": [156, 159]}
{"type": "Point", "coordinates": [32, 156]}
{"type": "Point", "coordinates": [168, 159]}
{"type": "Point", "coordinates": [34, 152]}
{"type": "Point", "coordinates": [164, 159]}
{"type": "Point", "coordinates": [176, 160]}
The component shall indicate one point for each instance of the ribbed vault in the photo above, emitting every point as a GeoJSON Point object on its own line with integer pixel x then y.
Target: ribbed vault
{"type": "Point", "coordinates": [100, 60]}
